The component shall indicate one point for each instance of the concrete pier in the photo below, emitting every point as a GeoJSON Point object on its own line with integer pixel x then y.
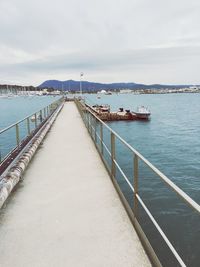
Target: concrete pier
{"type": "Point", "coordinates": [66, 211]}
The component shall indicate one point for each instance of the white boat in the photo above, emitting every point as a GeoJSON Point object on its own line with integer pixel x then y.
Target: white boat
{"type": "Point", "coordinates": [142, 113]}
{"type": "Point", "coordinates": [101, 108]}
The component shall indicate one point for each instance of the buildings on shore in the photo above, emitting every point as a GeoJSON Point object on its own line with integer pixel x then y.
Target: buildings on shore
{"type": "Point", "coordinates": [190, 89]}
{"type": "Point", "coordinates": [30, 90]}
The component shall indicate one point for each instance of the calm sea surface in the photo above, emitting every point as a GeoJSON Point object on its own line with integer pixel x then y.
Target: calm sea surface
{"type": "Point", "coordinates": [13, 109]}
{"type": "Point", "coordinates": [170, 140]}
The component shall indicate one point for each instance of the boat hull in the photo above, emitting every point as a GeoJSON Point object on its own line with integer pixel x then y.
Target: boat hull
{"type": "Point", "coordinates": [142, 116]}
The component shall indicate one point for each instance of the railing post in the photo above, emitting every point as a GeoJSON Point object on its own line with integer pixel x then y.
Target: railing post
{"type": "Point", "coordinates": [88, 123]}
{"type": "Point", "coordinates": [113, 168]}
{"type": "Point", "coordinates": [135, 185]}
{"type": "Point", "coordinates": [35, 115]}
{"type": "Point", "coordinates": [88, 119]}
{"type": "Point", "coordinates": [101, 137]}
{"type": "Point", "coordinates": [40, 115]}
{"type": "Point", "coordinates": [95, 130]}
{"type": "Point", "coordinates": [0, 154]}
{"type": "Point", "coordinates": [85, 117]}
{"type": "Point", "coordinates": [28, 126]}
{"type": "Point", "coordinates": [17, 134]}
{"type": "Point", "coordinates": [91, 125]}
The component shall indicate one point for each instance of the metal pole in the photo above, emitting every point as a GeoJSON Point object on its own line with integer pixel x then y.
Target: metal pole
{"type": "Point", "coordinates": [28, 126]}
{"type": "Point", "coordinates": [88, 123]}
{"type": "Point", "coordinates": [92, 124]}
{"type": "Point", "coordinates": [40, 115]}
{"type": "Point", "coordinates": [135, 185]}
{"type": "Point", "coordinates": [35, 120]}
{"type": "Point", "coordinates": [0, 154]}
{"type": "Point", "coordinates": [81, 75]}
{"type": "Point", "coordinates": [101, 137]}
{"type": "Point", "coordinates": [88, 118]}
{"type": "Point", "coordinates": [113, 167]}
{"type": "Point", "coordinates": [17, 134]}
{"type": "Point", "coordinates": [95, 130]}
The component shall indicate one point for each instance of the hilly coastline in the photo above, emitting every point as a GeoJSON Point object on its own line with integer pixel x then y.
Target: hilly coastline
{"type": "Point", "coordinates": [71, 85]}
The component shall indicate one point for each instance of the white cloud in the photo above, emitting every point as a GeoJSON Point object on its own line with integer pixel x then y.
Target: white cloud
{"type": "Point", "coordinates": [124, 40]}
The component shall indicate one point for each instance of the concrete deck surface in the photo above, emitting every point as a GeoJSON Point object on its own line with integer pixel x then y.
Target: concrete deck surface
{"type": "Point", "coordinates": [66, 211]}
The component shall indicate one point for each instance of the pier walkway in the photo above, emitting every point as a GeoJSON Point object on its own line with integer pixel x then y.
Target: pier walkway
{"type": "Point", "coordinates": [66, 211]}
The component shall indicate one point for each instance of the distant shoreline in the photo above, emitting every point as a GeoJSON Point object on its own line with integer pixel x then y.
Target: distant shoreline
{"type": "Point", "coordinates": [142, 91]}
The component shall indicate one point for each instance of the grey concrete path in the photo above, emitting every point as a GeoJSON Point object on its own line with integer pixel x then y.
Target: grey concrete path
{"type": "Point", "coordinates": [66, 212]}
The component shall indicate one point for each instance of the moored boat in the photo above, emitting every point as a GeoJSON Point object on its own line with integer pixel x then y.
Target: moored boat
{"type": "Point", "coordinates": [142, 113]}
{"type": "Point", "coordinates": [105, 114]}
{"type": "Point", "coordinates": [101, 108]}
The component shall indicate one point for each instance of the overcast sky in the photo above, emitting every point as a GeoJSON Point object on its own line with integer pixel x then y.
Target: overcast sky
{"type": "Point", "coordinates": [144, 41]}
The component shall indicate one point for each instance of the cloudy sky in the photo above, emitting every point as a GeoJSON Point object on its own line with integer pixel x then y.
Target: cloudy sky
{"type": "Point", "coordinates": [144, 41]}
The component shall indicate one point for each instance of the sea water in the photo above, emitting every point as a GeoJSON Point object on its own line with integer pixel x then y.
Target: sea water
{"type": "Point", "coordinates": [14, 109]}
{"type": "Point", "coordinates": [170, 140]}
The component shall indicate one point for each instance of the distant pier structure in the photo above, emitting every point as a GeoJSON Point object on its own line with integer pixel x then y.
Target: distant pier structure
{"type": "Point", "coordinates": [103, 112]}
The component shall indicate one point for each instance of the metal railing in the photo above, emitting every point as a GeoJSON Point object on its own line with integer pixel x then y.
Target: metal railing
{"type": "Point", "coordinates": [13, 136]}
{"type": "Point", "coordinates": [100, 131]}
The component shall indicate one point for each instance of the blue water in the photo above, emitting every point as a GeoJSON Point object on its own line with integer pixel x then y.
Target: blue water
{"type": "Point", "coordinates": [171, 141]}
{"type": "Point", "coordinates": [13, 109]}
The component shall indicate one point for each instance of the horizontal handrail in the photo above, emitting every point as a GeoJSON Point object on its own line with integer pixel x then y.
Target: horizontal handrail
{"type": "Point", "coordinates": [124, 175]}
{"type": "Point", "coordinates": [14, 124]}
{"type": "Point", "coordinates": [171, 184]}
{"type": "Point", "coordinates": [151, 218]}
{"type": "Point", "coordinates": [161, 232]}
{"type": "Point", "coordinates": [134, 188]}
{"type": "Point", "coordinates": [39, 117]}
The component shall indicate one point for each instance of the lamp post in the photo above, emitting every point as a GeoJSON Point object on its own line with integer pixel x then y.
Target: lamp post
{"type": "Point", "coordinates": [81, 75]}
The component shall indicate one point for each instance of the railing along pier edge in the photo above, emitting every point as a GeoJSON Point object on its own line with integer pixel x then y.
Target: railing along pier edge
{"type": "Point", "coordinates": [90, 119]}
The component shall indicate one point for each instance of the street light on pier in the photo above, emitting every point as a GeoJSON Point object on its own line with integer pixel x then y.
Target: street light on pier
{"type": "Point", "coordinates": [81, 75]}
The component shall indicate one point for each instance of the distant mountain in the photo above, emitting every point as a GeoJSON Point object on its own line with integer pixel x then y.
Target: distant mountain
{"type": "Point", "coordinates": [72, 85]}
